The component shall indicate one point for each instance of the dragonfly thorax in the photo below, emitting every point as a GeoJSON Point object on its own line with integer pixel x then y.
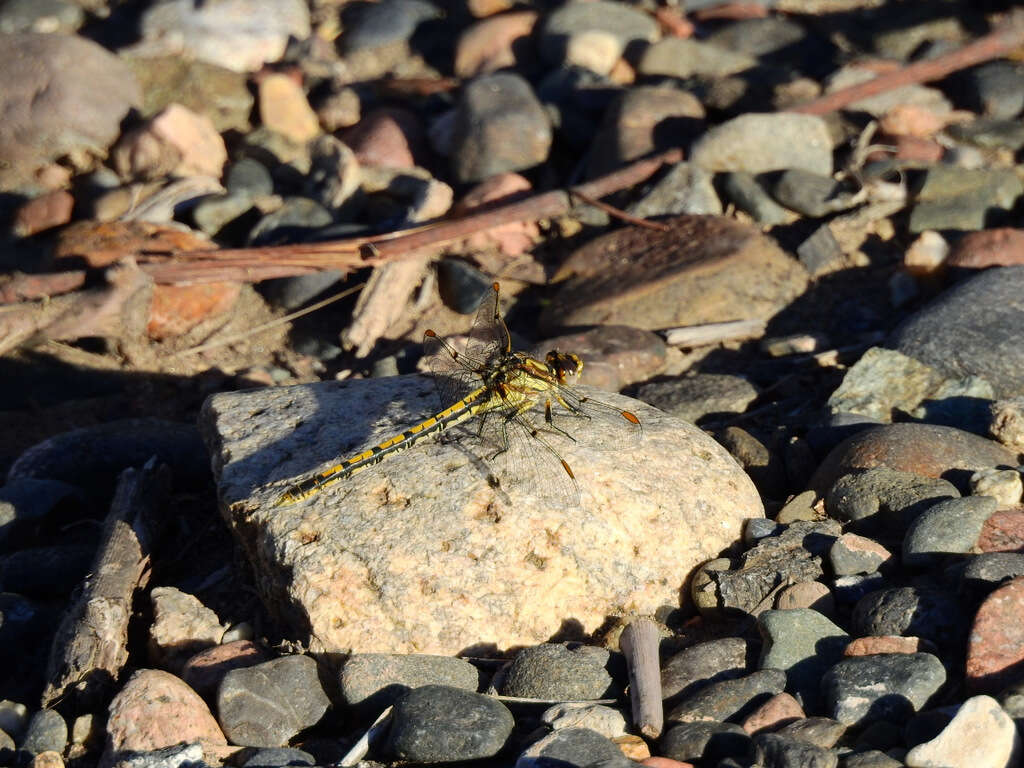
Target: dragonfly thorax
{"type": "Point", "coordinates": [566, 366]}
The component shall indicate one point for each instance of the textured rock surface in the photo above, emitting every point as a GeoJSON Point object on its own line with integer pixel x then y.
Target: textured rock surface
{"type": "Point", "coordinates": [421, 554]}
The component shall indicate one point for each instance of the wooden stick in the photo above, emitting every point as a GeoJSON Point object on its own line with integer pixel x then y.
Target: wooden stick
{"type": "Point", "coordinates": [714, 333]}
{"type": "Point", "coordinates": [362, 747]}
{"type": "Point", "coordinates": [90, 647]}
{"type": "Point", "coordinates": [639, 644]}
{"type": "Point", "coordinates": [1006, 37]}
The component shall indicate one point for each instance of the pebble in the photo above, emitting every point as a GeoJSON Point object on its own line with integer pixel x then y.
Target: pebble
{"type": "Point", "coordinates": [1003, 532]}
{"type": "Point", "coordinates": [764, 466]}
{"type": "Point", "coordinates": [240, 35]}
{"type": "Point", "coordinates": [609, 722]}
{"type": "Point", "coordinates": [42, 213]}
{"type": "Point", "coordinates": [266, 704]}
{"type": "Point", "coordinates": [298, 217]}
{"type": "Point", "coordinates": [780, 710]}
{"type": "Point", "coordinates": [757, 143]}
{"type": "Point", "coordinates": [682, 58]}
{"type": "Point", "coordinates": [204, 671]}
{"type": "Point", "coordinates": [438, 723]}
{"type": "Point", "coordinates": [986, 307]}
{"type": "Point", "coordinates": [376, 25]}
{"type": "Point", "coordinates": [743, 190]}
{"type": "Point", "coordinates": [491, 44]}
{"type": "Point", "coordinates": [283, 108]}
{"type": "Point", "coordinates": [626, 25]}
{"type": "Point", "coordinates": [758, 37]}
{"type": "Point", "coordinates": [853, 554]}
{"type": "Point", "coordinates": [705, 740]}
{"type": "Point", "coordinates": [870, 758]}
{"type": "Point", "coordinates": [865, 689]}
{"type": "Point", "coordinates": [821, 731]}
{"type": "Point", "coordinates": [182, 627]}
{"type": "Point", "coordinates": [963, 199]}
{"type": "Point", "coordinates": [551, 671]}
{"type": "Point", "coordinates": [986, 571]}
{"type": "Point", "coordinates": [13, 718]}
{"type": "Point", "coordinates": [866, 646]}
{"type": "Point", "coordinates": [46, 731]}
{"type": "Point", "coordinates": [807, 594]}
{"type": "Point", "coordinates": [573, 748]}
{"type": "Point", "coordinates": [811, 194]}
{"type": "Point", "coordinates": [702, 664]}
{"type": "Point", "coordinates": [949, 527]}
{"type": "Point", "coordinates": [729, 699]}
{"type": "Point", "coordinates": [1003, 485]}
{"type": "Point", "coordinates": [980, 735]}
{"type": "Point", "coordinates": [273, 757]}
{"type": "Point", "coordinates": [389, 137]}
{"type": "Point", "coordinates": [47, 571]}
{"type": "Point", "coordinates": [374, 681]}
{"type": "Point", "coordinates": [155, 709]}
{"type": "Point", "coordinates": [995, 646]}
{"type": "Point", "coordinates": [804, 644]}
{"type": "Point", "coordinates": [493, 109]}
{"type": "Point", "coordinates": [926, 450]}
{"type": "Point", "coordinates": [930, 613]}
{"type": "Point", "coordinates": [42, 16]}
{"type": "Point", "coordinates": [995, 88]}
{"type": "Point", "coordinates": [879, 104]}
{"type": "Point", "coordinates": [684, 189]}
{"type": "Point", "coordinates": [63, 95]}
{"type": "Point", "coordinates": [820, 253]}
{"type": "Point", "coordinates": [775, 750]}
{"type": "Point", "coordinates": [998, 247]}
{"type": "Point", "coordinates": [700, 395]}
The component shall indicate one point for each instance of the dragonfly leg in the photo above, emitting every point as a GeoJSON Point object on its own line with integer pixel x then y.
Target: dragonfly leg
{"type": "Point", "coordinates": [550, 421]}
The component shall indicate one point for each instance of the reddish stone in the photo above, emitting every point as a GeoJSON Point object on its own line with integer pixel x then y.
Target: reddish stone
{"type": "Point", "coordinates": [388, 137]}
{"type": "Point", "coordinates": [673, 23]}
{"type": "Point", "coordinates": [995, 647]}
{"type": "Point", "coordinates": [43, 212]}
{"type": "Point", "coordinates": [988, 248]}
{"type": "Point", "coordinates": [732, 11]}
{"type": "Point", "coordinates": [177, 309]}
{"type": "Point", "coordinates": [912, 120]}
{"type": "Point", "coordinates": [204, 671]}
{"type": "Point", "coordinates": [781, 709]}
{"type": "Point", "coordinates": [868, 646]}
{"type": "Point", "coordinates": [807, 594]}
{"type": "Point", "coordinates": [489, 45]}
{"type": "Point", "coordinates": [664, 762]}
{"type": "Point", "coordinates": [1003, 532]}
{"type": "Point", "coordinates": [512, 239]}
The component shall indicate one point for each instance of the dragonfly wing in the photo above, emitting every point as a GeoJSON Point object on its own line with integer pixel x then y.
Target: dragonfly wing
{"type": "Point", "coordinates": [592, 423]}
{"type": "Point", "coordinates": [488, 337]}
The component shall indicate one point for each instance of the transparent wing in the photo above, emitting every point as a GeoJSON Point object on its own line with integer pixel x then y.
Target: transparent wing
{"type": "Point", "coordinates": [454, 375]}
{"type": "Point", "coordinates": [488, 337]}
{"type": "Point", "coordinates": [590, 422]}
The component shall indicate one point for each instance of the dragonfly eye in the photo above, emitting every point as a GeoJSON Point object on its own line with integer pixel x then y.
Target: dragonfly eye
{"type": "Point", "coordinates": [565, 365]}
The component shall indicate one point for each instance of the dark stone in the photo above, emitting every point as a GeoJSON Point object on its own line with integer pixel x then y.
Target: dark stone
{"type": "Point", "coordinates": [804, 644]}
{"type": "Point", "coordinates": [294, 221]}
{"type": "Point", "coordinates": [820, 252]}
{"type": "Point", "coordinates": [706, 740]}
{"type": "Point", "coordinates": [438, 723]}
{"type": "Point", "coordinates": [822, 731]}
{"type": "Point", "coordinates": [24, 500]}
{"type": "Point", "coordinates": [730, 699]}
{"type": "Point", "coordinates": [249, 176]}
{"type": "Point", "coordinates": [373, 681]}
{"type": "Point", "coordinates": [805, 192]}
{"type": "Point", "coordinates": [630, 25]}
{"type": "Point", "coordinates": [950, 527]}
{"type": "Point", "coordinates": [46, 731]}
{"type": "Point", "coordinates": [267, 704]}
{"type": "Point", "coordinates": [702, 395]}
{"type": "Point", "coordinates": [553, 671]}
{"type": "Point", "coordinates": [891, 498]}
{"type": "Point", "coordinates": [699, 665]}
{"type": "Point", "coordinates": [887, 686]}
{"type": "Point", "coordinates": [934, 614]}
{"type": "Point", "coordinates": [372, 25]}
{"type": "Point", "coordinates": [972, 329]}
{"type": "Point", "coordinates": [574, 748]}
{"type": "Point", "coordinates": [873, 758]}
{"type": "Point", "coordinates": [46, 571]}
{"type": "Point", "coordinates": [764, 465]}
{"type": "Point", "coordinates": [743, 190]}
{"type": "Point", "coordinates": [777, 751]}
{"type": "Point", "coordinates": [995, 89]}
{"type": "Point", "coordinates": [986, 571]}
{"type": "Point", "coordinates": [462, 286]}
{"type": "Point", "coordinates": [926, 725]}
{"type": "Point", "coordinates": [278, 756]}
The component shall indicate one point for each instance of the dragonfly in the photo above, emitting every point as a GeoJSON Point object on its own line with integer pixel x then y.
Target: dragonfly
{"type": "Point", "coordinates": [521, 403]}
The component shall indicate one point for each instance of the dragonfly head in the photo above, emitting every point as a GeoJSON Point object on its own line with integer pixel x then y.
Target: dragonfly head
{"type": "Point", "coordinates": [566, 366]}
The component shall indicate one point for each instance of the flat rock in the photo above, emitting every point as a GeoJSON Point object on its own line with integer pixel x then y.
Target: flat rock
{"type": "Point", "coordinates": [701, 664]}
{"type": "Point", "coordinates": [757, 143]}
{"type": "Point", "coordinates": [61, 95]}
{"type": "Point", "coordinates": [729, 699]}
{"type": "Point", "coordinates": [422, 554]}
{"type": "Point", "coordinates": [553, 671]}
{"type": "Point", "coordinates": [864, 689]}
{"type": "Point", "coordinates": [375, 680]}
{"type": "Point", "coordinates": [437, 723]}
{"type": "Point", "coordinates": [704, 269]}
{"type": "Point", "coordinates": [972, 329]}
{"type": "Point", "coordinates": [923, 449]}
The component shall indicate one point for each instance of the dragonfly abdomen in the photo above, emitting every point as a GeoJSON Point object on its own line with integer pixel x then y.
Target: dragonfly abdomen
{"type": "Point", "coordinates": [449, 417]}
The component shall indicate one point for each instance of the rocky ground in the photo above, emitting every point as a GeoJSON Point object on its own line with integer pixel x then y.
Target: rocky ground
{"type": "Point", "coordinates": [789, 235]}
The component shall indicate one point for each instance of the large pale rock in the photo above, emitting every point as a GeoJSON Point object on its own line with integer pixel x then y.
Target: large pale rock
{"type": "Point", "coordinates": [422, 554]}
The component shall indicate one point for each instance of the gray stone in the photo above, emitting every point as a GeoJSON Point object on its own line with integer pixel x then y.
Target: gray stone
{"type": "Point", "coordinates": [996, 88]}
{"type": "Point", "coordinates": [61, 95]}
{"type": "Point", "coordinates": [849, 589]}
{"type": "Point", "coordinates": [46, 731]}
{"type": "Point", "coordinates": [804, 644]}
{"type": "Point", "coordinates": [682, 58]}
{"type": "Point", "coordinates": [699, 665]}
{"type": "Point", "coordinates": [375, 680]}
{"type": "Point", "coordinates": [765, 466]}
{"type": "Point", "coordinates": [885, 686]}
{"type": "Point", "coordinates": [48, 571]}
{"type": "Point", "coordinates": [757, 143]}
{"type": "Point", "coordinates": [706, 740]}
{"type": "Point", "coordinates": [250, 177]}
{"type": "Point", "coordinates": [176, 756]}
{"type": "Point", "coordinates": [775, 750]}
{"type": "Point", "coordinates": [298, 218]}
{"type": "Point", "coordinates": [820, 253]}
{"type": "Point", "coordinates": [744, 191]}
{"type": "Point", "coordinates": [275, 757]}
{"type": "Point", "coordinates": [949, 527]}
{"type": "Point", "coordinates": [551, 671]}
{"type": "Point", "coordinates": [440, 724]}
{"type": "Point", "coordinates": [965, 199]}
{"type": "Point", "coordinates": [684, 189]}
{"type": "Point", "coordinates": [499, 126]}
{"type": "Point", "coordinates": [240, 35]}
{"type": "Point", "coordinates": [885, 381]}
{"type": "Point", "coordinates": [729, 699]}
{"type": "Point", "coordinates": [630, 26]}
{"type": "Point", "coordinates": [890, 497]}
{"type": "Point", "coordinates": [609, 722]}
{"type": "Point", "coordinates": [695, 396]}
{"type": "Point", "coordinates": [214, 213]}
{"type": "Point", "coordinates": [379, 24]}
{"type": "Point", "coordinates": [822, 731]}
{"type": "Point", "coordinates": [986, 571]}
{"type": "Point", "coordinates": [872, 758]}
{"type": "Point", "coordinates": [811, 194]}
{"type": "Point", "coordinates": [972, 329]}
{"type": "Point", "coordinates": [852, 554]}
{"type": "Point", "coordinates": [572, 748]}
{"type": "Point", "coordinates": [757, 37]}
{"type": "Point", "coordinates": [27, 499]}
{"type": "Point", "coordinates": [267, 704]}
{"type": "Point", "coordinates": [933, 614]}
{"type": "Point", "coordinates": [930, 99]}
{"type": "Point", "coordinates": [990, 133]}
